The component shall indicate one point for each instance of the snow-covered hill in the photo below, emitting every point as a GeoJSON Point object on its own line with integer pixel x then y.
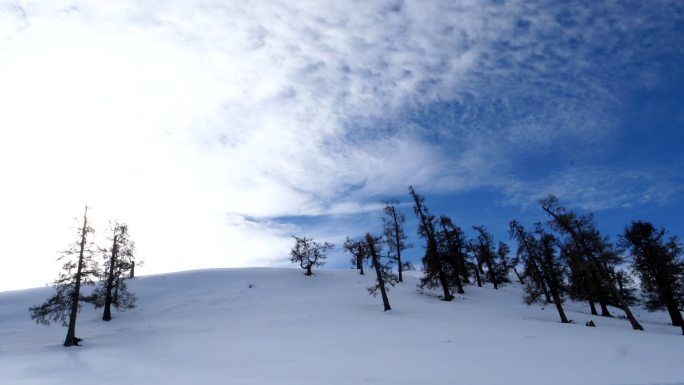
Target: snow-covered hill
{"type": "Point", "coordinates": [277, 326]}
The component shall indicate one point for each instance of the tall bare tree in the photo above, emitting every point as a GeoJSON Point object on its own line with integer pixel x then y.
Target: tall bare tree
{"type": "Point", "coordinates": [434, 264]}
{"type": "Point", "coordinates": [383, 271]}
{"type": "Point", "coordinates": [395, 237]}
{"type": "Point", "coordinates": [63, 307]}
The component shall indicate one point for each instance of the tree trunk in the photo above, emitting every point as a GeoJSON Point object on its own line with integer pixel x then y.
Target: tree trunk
{"type": "Point", "coordinates": [445, 285]}
{"type": "Point", "coordinates": [71, 338]}
{"type": "Point", "coordinates": [553, 288]}
{"type": "Point", "coordinates": [675, 315]}
{"type": "Point", "coordinates": [132, 275]}
{"type": "Point", "coordinates": [593, 307]}
{"type": "Point", "coordinates": [632, 320]}
{"type": "Point", "coordinates": [601, 295]}
{"type": "Point", "coordinates": [522, 281]}
{"type": "Point", "coordinates": [459, 284]}
{"type": "Point", "coordinates": [308, 270]}
{"type": "Point", "coordinates": [378, 272]}
{"type": "Point", "coordinates": [107, 314]}
{"type": "Point", "coordinates": [492, 276]}
{"type": "Point", "coordinates": [477, 276]}
{"type": "Point", "coordinates": [397, 242]}
{"type": "Point", "coordinates": [359, 263]}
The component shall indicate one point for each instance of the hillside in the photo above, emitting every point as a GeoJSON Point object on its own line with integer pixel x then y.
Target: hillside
{"type": "Point", "coordinates": [211, 327]}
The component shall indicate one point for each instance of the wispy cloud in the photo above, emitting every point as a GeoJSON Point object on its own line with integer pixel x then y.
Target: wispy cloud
{"type": "Point", "coordinates": [176, 116]}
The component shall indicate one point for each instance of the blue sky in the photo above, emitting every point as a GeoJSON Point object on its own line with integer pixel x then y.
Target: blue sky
{"type": "Point", "coordinates": [230, 126]}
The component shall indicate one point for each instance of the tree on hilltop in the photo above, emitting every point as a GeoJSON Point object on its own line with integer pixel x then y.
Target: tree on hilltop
{"type": "Point", "coordinates": [78, 270]}
{"type": "Point", "coordinates": [309, 254]}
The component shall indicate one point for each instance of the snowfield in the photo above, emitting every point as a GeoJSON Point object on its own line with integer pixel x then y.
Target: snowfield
{"type": "Point", "coordinates": [211, 327]}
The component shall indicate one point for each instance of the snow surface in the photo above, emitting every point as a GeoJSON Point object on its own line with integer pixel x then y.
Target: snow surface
{"type": "Point", "coordinates": [210, 327]}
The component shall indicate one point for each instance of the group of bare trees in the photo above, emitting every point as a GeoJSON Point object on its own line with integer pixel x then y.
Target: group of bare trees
{"type": "Point", "coordinates": [569, 257]}
{"type": "Point", "coordinates": [82, 269]}
{"type": "Point", "coordinates": [451, 260]}
{"type": "Point", "coordinates": [565, 257]}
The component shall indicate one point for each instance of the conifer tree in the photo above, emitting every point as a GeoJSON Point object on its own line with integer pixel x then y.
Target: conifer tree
{"type": "Point", "coordinates": [434, 265]}
{"type": "Point", "coordinates": [453, 246]}
{"type": "Point", "coordinates": [309, 254]}
{"type": "Point", "coordinates": [483, 248]}
{"type": "Point", "coordinates": [358, 252]}
{"type": "Point", "coordinates": [63, 307]}
{"type": "Point", "coordinates": [541, 262]}
{"type": "Point", "coordinates": [594, 250]}
{"type": "Point", "coordinates": [383, 271]}
{"type": "Point", "coordinates": [395, 237]}
{"type": "Point", "coordinates": [119, 261]}
{"type": "Point", "coordinates": [656, 258]}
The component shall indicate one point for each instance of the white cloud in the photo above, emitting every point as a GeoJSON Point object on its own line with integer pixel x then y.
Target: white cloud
{"type": "Point", "coordinates": [183, 117]}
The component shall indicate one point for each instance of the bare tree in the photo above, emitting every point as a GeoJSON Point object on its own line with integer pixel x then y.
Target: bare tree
{"type": "Point", "coordinates": [590, 245]}
{"type": "Point", "coordinates": [309, 254]}
{"type": "Point", "coordinates": [383, 271]}
{"type": "Point", "coordinates": [395, 237]}
{"type": "Point", "coordinates": [358, 252]}
{"type": "Point", "coordinates": [64, 306]}
{"type": "Point", "coordinates": [434, 265]}
{"type": "Point", "coordinates": [119, 261]}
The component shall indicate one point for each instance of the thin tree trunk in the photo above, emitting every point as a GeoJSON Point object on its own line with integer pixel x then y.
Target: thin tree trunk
{"type": "Point", "coordinates": [378, 271]}
{"type": "Point", "coordinates": [522, 281]}
{"type": "Point", "coordinates": [308, 270]}
{"type": "Point", "coordinates": [593, 307]}
{"type": "Point", "coordinates": [553, 288]}
{"type": "Point", "coordinates": [477, 276]}
{"type": "Point", "coordinates": [445, 285]}
{"type": "Point", "coordinates": [459, 284]}
{"type": "Point", "coordinates": [492, 276]}
{"type": "Point", "coordinates": [601, 295]}
{"type": "Point", "coordinates": [71, 339]}
{"type": "Point", "coordinates": [628, 312]}
{"type": "Point", "coordinates": [132, 275]}
{"type": "Point", "coordinates": [107, 314]}
{"type": "Point", "coordinates": [675, 315]}
{"type": "Point", "coordinates": [397, 242]}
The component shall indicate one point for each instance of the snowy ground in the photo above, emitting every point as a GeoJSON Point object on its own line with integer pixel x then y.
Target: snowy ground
{"type": "Point", "coordinates": [210, 327]}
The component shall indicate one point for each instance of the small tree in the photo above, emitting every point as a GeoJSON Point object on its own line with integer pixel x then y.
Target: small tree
{"type": "Point", "coordinates": [395, 237]}
{"type": "Point", "coordinates": [119, 261]}
{"type": "Point", "coordinates": [358, 252]}
{"type": "Point", "coordinates": [541, 261]}
{"type": "Point", "coordinates": [63, 307]}
{"type": "Point", "coordinates": [453, 245]}
{"type": "Point", "coordinates": [383, 271]}
{"type": "Point", "coordinates": [656, 258]}
{"type": "Point", "coordinates": [308, 253]}
{"type": "Point", "coordinates": [483, 248]}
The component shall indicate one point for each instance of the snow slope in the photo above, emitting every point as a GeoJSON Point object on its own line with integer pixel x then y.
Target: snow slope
{"type": "Point", "coordinates": [210, 327]}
